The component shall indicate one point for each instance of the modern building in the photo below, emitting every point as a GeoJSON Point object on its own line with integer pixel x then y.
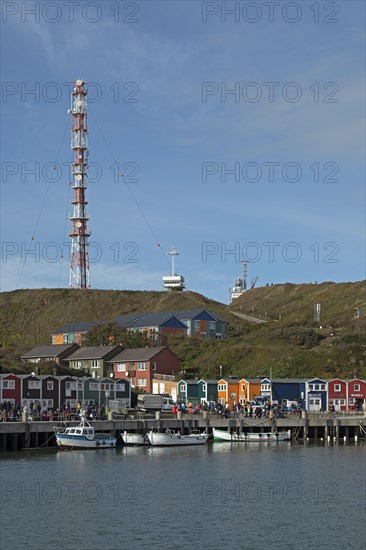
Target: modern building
{"type": "Point", "coordinates": [74, 332]}
{"type": "Point", "coordinates": [203, 324]}
{"type": "Point", "coordinates": [193, 322]}
{"type": "Point", "coordinates": [55, 353]}
{"type": "Point", "coordinates": [93, 360]}
{"type": "Point", "coordinates": [156, 325]}
{"type": "Point", "coordinates": [140, 365]}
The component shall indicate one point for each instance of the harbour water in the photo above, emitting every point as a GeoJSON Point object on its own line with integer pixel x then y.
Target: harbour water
{"type": "Point", "coordinates": [285, 495]}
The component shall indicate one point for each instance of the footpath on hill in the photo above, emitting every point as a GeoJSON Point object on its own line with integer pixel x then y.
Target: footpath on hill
{"type": "Point", "coordinates": [248, 318]}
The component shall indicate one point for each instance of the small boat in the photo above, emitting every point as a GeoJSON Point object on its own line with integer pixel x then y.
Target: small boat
{"type": "Point", "coordinates": [134, 439]}
{"type": "Point", "coordinates": [169, 438]}
{"type": "Point", "coordinates": [83, 436]}
{"type": "Point", "coordinates": [243, 437]}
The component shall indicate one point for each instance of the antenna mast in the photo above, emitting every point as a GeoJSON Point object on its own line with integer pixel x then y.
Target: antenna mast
{"type": "Point", "coordinates": [79, 258]}
{"type": "Point", "coordinates": [173, 252]}
{"type": "Point", "coordinates": [245, 279]}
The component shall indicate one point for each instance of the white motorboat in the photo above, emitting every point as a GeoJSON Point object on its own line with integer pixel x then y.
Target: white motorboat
{"type": "Point", "coordinates": [243, 437]}
{"type": "Point", "coordinates": [134, 439]}
{"type": "Point", "coordinates": [169, 438]}
{"type": "Point", "coordinates": [83, 436]}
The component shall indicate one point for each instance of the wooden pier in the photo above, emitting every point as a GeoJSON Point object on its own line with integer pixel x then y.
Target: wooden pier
{"type": "Point", "coordinates": [15, 436]}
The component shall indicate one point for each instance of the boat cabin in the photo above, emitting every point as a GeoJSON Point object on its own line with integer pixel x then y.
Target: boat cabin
{"type": "Point", "coordinates": [86, 431]}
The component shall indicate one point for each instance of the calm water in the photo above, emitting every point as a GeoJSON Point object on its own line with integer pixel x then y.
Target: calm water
{"type": "Point", "coordinates": [217, 496]}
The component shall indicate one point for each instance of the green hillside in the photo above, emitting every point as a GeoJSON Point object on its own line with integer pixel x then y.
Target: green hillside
{"type": "Point", "coordinates": [294, 304]}
{"type": "Point", "coordinates": [30, 316]}
{"type": "Point", "coordinates": [290, 342]}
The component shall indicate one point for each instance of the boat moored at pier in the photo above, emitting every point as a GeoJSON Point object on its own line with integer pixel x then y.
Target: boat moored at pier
{"type": "Point", "coordinates": [243, 437]}
{"type": "Point", "coordinates": [129, 438]}
{"type": "Point", "coordinates": [169, 438]}
{"type": "Point", "coordinates": [83, 436]}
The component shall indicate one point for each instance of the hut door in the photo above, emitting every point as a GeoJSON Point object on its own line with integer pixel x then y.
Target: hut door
{"type": "Point", "coordinates": [315, 404]}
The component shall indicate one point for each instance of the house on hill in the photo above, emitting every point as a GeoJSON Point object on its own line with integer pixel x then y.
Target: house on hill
{"type": "Point", "coordinates": [56, 353]}
{"type": "Point", "coordinates": [140, 365]}
{"type": "Point", "coordinates": [193, 322]}
{"type": "Point", "coordinates": [203, 324]}
{"type": "Point", "coordinates": [74, 332]}
{"type": "Point", "coordinates": [93, 360]}
{"type": "Point", "coordinates": [158, 324]}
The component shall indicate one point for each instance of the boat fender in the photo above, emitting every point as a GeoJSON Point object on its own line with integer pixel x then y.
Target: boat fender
{"type": "Point", "coordinates": [98, 443]}
{"type": "Point", "coordinates": [103, 442]}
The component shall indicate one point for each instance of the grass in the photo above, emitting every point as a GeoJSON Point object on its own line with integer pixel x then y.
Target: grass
{"type": "Point", "coordinates": [290, 343]}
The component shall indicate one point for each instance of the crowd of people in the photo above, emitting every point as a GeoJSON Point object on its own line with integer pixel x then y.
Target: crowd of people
{"type": "Point", "coordinates": [36, 411]}
{"type": "Point", "coordinates": [10, 411]}
{"type": "Point", "coordinates": [223, 410]}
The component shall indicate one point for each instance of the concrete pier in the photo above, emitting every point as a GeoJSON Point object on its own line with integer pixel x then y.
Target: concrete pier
{"type": "Point", "coordinates": [32, 434]}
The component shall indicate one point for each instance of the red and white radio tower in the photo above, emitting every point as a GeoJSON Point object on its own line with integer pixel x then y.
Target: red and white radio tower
{"type": "Point", "coordinates": [79, 259]}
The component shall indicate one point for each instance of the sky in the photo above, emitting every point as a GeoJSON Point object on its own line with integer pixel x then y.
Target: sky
{"type": "Point", "coordinates": [234, 130]}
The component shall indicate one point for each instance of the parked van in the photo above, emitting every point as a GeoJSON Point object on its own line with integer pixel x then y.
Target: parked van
{"type": "Point", "coordinates": [152, 402]}
{"type": "Point", "coordinates": [168, 404]}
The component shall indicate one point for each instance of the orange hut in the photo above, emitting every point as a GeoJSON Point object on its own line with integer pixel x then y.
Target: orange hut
{"type": "Point", "coordinates": [243, 394]}
{"type": "Point", "coordinates": [254, 388]}
{"type": "Point", "coordinates": [228, 391]}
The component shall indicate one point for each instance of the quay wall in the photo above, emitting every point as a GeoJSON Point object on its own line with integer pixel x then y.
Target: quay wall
{"type": "Point", "coordinates": [17, 436]}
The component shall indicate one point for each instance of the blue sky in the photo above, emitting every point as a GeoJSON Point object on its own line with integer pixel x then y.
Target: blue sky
{"type": "Point", "coordinates": [272, 172]}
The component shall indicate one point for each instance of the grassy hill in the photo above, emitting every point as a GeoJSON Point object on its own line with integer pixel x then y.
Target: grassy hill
{"type": "Point", "coordinates": [294, 304]}
{"type": "Point", "coordinates": [289, 342]}
{"type": "Point", "coordinates": [30, 316]}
